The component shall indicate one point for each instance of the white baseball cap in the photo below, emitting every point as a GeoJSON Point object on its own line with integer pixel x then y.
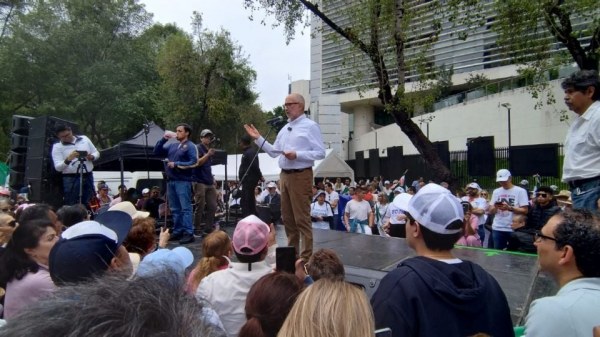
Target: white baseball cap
{"type": "Point", "coordinates": [474, 185]}
{"type": "Point", "coordinates": [434, 207]}
{"type": "Point", "coordinates": [502, 175]}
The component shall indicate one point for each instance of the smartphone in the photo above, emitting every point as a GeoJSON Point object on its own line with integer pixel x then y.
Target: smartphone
{"type": "Point", "coordinates": [285, 259]}
{"type": "Point", "coordinates": [385, 332]}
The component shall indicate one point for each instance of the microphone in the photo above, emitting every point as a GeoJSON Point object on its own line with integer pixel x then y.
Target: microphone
{"type": "Point", "coordinates": [275, 121]}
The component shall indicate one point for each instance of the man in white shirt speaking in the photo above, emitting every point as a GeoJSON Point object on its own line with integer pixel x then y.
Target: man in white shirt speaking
{"type": "Point", "coordinates": [298, 145]}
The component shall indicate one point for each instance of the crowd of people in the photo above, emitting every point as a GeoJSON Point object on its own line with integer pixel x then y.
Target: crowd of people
{"type": "Point", "coordinates": [64, 273]}
{"type": "Point", "coordinates": [119, 279]}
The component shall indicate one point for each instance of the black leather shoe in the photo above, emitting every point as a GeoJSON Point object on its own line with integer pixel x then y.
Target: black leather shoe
{"type": "Point", "coordinates": [187, 238]}
{"type": "Point", "coordinates": [175, 237]}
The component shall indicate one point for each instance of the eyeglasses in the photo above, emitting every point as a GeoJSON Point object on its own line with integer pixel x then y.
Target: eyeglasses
{"type": "Point", "coordinates": [290, 104]}
{"type": "Point", "coordinates": [538, 236]}
{"type": "Point", "coordinates": [543, 195]}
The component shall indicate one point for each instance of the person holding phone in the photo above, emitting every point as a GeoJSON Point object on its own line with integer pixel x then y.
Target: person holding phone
{"type": "Point", "coordinates": [73, 155]}
{"type": "Point", "coordinates": [507, 200]}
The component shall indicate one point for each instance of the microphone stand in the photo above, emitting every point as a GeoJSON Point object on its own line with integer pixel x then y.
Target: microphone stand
{"type": "Point", "coordinates": [80, 169]}
{"type": "Point", "coordinates": [146, 132]}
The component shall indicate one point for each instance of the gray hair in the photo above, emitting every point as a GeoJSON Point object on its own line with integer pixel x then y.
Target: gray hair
{"type": "Point", "coordinates": [111, 306]}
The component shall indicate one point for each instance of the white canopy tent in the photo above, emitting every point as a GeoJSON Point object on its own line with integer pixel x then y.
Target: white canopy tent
{"type": "Point", "coordinates": [331, 166]}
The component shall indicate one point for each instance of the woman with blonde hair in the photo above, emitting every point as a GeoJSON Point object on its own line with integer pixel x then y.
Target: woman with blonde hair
{"type": "Point", "coordinates": [330, 309]}
{"type": "Point", "coordinates": [216, 250]}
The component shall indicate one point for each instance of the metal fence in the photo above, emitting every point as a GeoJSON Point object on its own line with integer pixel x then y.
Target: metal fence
{"type": "Point", "coordinates": [459, 168]}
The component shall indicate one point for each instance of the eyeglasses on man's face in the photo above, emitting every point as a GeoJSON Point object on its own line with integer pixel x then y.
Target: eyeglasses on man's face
{"type": "Point", "coordinates": [543, 195]}
{"type": "Point", "coordinates": [538, 236]}
{"type": "Point", "coordinates": [287, 105]}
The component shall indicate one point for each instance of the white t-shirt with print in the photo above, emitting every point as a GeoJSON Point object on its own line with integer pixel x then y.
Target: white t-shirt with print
{"type": "Point", "coordinates": [515, 197]}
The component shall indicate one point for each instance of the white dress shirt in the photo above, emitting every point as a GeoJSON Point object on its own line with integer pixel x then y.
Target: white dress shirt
{"type": "Point", "coordinates": [582, 146]}
{"type": "Point", "coordinates": [301, 135]}
{"type": "Point", "coordinates": [60, 152]}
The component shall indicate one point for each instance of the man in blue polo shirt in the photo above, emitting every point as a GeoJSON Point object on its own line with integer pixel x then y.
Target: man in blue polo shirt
{"type": "Point", "coordinates": [182, 156]}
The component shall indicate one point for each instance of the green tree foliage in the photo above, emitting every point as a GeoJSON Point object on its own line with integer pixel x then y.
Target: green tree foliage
{"type": "Point", "coordinates": [380, 32]}
{"type": "Point", "coordinates": [79, 60]}
{"type": "Point", "coordinates": [543, 35]}
{"type": "Point", "coordinates": [103, 65]}
{"type": "Point", "coordinates": [207, 82]}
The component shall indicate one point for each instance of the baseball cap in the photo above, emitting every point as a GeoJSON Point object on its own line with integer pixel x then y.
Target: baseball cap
{"type": "Point", "coordinates": [386, 182]}
{"type": "Point", "coordinates": [251, 236]}
{"type": "Point", "coordinates": [474, 185]}
{"type": "Point", "coordinates": [127, 207]}
{"type": "Point", "coordinates": [103, 187]}
{"type": "Point", "coordinates": [502, 175]}
{"type": "Point", "coordinates": [85, 250]}
{"type": "Point", "coordinates": [401, 201]}
{"type": "Point", "coordinates": [271, 185]}
{"type": "Point", "coordinates": [434, 207]}
{"type": "Point", "coordinates": [4, 191]}
{"type": "Point", "coordinates": [176, 259]}
{"type": "Point", "coordinates": [524, 182]}
{"type": "Point", "coordinates": [319, 192]}
{"type": "Point", "coordinates": [145, 190]}
{"type": "Point", "coordinates": [398, 190]}
{"type": "Point", "coordinates": [206, 132]}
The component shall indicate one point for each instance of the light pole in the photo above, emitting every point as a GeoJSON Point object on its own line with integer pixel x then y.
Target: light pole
{"type": "Point", "coordinates": [426, 121]}
{"type": "Point", "coordinates": [507, 106]}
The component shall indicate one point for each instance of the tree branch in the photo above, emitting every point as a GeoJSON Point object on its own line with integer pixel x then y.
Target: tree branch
{"type": "Point", "coordinates": [347, 33]}
{"type": "Point", "coordinates": [563, 33]}
{"type": "Point", "coordinates": [595, 41]}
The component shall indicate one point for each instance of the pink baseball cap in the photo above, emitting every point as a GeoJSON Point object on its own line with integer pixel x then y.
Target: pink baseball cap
{"type": "Point", "coordinates": [251, 236]}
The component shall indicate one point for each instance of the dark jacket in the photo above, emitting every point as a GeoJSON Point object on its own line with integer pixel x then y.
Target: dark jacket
{"type": "Point", "coordinates": [184, 155]}
{"type": "Point", "coordinates": [272, 200]}
{"type": "Point", "coordinates": [426, 297]}
{"type": "Point", "coordinates": [203, 173]}
{"type": "Point", "coordinates": [539, 215]}
{"type": "Point", "coordinates": [254, 174]}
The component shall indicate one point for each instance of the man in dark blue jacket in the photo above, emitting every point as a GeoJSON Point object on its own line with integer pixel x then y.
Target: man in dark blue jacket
{"type": "Point", "coordinates": [205, 193]}
{"type": "Point", "coordinates": [181, 158]}
{"type": "Point", "coordinates": [435, 293]}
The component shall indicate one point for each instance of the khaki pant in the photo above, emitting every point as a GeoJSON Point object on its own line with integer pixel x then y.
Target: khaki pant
{"type": "Point", "coordinates": [296, 193]}
{"type": "Point", "coordinates": [204, 196]}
